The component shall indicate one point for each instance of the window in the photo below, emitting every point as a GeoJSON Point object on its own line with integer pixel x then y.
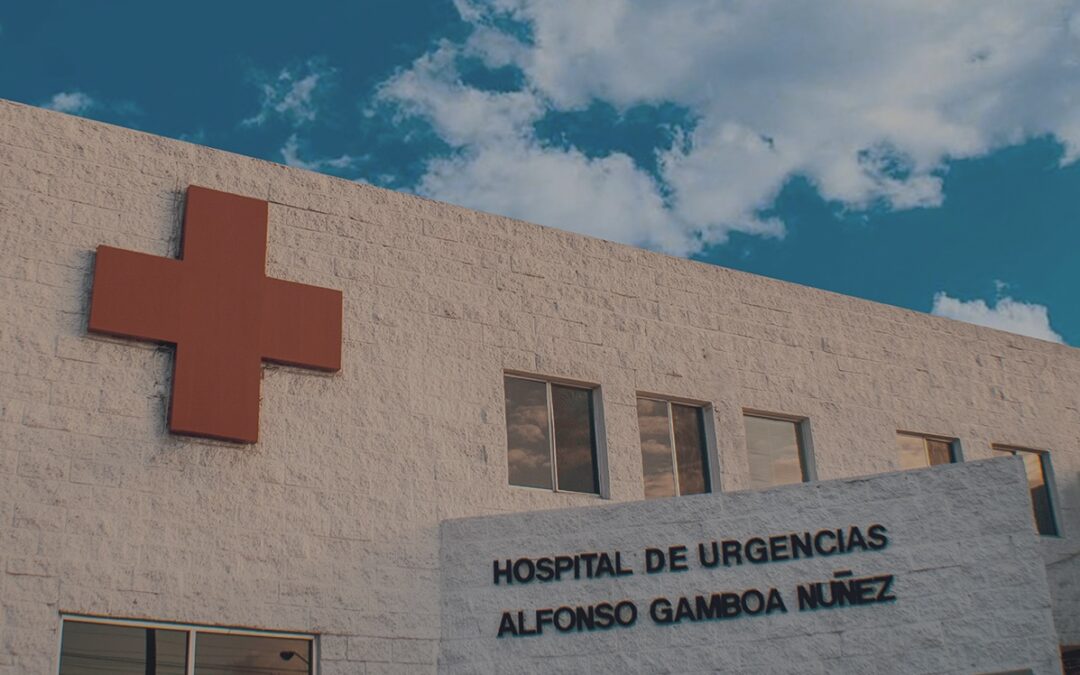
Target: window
{"type": "Point", "coordinates": [776, 447]}
{"type": "Point", "coordinates": [673, 448]}
{"type": "Point", "coordinates": [1037, 467]}
{"type": "Point", "coordinates": [918, 451]}
{"type": "Point", "coordinates": [551, 436]}
{"type": "Point", "coordinates": [90, 646]}
{"type": "Point", "coordinates": [1070, 659]}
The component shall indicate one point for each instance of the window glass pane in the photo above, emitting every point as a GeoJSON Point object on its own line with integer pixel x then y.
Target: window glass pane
{"type": "Point", "coordinates": [939, 452]}
{"type": "Point", "coordinates": [912, 451]}
{"type": "Point", "coordinates": [773, 446]}
{"type": "Point", "coordinates": [1042, 510]}
{"type": "Point", "coordinates": [575, 446]}
{"type": "Point", "coordinates": [528, 441]}
{"type": "Point", "coordinates": [220, 654]}
{"type": "Point", "coordinates": [690, 449]}
{"type": "Point", "coordinates": [655, 448]}
{"type": "Point", "coordinates": [96, 648]}
{"type": "Point", "coordinates": [1040, 494]}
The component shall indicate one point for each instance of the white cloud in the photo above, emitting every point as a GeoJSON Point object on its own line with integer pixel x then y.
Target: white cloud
{"type": "Point", "coordinates": [74, 102]}
{"type": "Point", "coordinates": [1007, 314]}
{"type": "Point", "coordinates": [290, 152]}
{"type": "Point", "coordinates": [867, 100]}
{"type": "Point", "coordinates": [291, 95]}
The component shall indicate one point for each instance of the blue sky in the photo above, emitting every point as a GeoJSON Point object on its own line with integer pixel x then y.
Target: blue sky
{"type": "Point", "coordinates": [918, 154]}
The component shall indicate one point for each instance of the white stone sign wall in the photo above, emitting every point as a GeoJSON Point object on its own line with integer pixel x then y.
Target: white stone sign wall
{"type": "Point", "coordinates": [926, 571]}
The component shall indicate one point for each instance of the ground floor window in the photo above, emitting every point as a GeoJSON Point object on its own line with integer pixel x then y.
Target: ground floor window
{"type": "Point", "coordinates": [91, 646]}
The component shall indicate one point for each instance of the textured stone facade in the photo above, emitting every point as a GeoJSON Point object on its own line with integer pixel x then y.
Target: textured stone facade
{"type": "Point", "coordinates": [330, 524]}
{"type": "Point", "coordinates": [953, 582]}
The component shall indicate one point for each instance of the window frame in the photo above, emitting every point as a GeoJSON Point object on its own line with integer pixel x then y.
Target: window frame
{"type": "Point", "coordinates": [192, 631]}
{"type": "Point", "coordinates": [807, 463]}
{"type": "Point", "coordinates": [1048, 476]}
{"type": "Point", "coordinates": [955, 452]}
{"type": "Point", "coordinates": [708, 434]}
{"type": "Point", "coordinates": [600, 465]}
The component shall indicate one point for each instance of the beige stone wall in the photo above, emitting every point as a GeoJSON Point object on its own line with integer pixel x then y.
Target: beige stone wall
{"type": "Point", "coordinates": [330, 523]}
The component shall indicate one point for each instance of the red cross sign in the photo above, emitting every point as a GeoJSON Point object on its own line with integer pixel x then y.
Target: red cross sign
{"type": "Point", "coordinates": [222, 312]}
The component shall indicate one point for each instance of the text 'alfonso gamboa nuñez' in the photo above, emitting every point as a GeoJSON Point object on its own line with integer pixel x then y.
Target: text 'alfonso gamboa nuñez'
{"type": "Point", "coordinates": [843, 589]}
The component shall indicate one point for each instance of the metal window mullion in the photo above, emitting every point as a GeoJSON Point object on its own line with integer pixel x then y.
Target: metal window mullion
{"type": "Point", "coordinates": [190, 670]}
{"type": "Point", "coordinates": [551, 436]}
{"type": "Point", "coordinates": [674, 457]}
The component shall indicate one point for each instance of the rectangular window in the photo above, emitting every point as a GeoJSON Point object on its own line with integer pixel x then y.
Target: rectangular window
{"type": "Point", "coordinates": [776, 450]}
{"type": "Point", "coordinates": [89, 646]}
{"type": "Point", "coordinates": [673, 448]}
{"type": "Point", "coordinates": [1037, 467]}
{"type": "Point", "coordinates": [551, 436]}
{"type": "Point", "coordinates": [917, 451]}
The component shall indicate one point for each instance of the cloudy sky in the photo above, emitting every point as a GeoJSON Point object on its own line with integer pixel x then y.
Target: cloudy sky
{"type": "Point", "coordinates": [920, 153]}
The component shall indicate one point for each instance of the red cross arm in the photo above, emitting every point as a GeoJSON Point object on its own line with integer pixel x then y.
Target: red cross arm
{"type": "Point", "coordinates": [135, 295]}
{"type": "Point", "coordinates": [301, 325]}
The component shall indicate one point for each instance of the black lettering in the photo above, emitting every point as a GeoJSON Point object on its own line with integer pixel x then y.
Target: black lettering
{"type": "Point", "coordinates": [605, 615]}
{"type": "Point", "coordinates": [862, 591]}
{"type": "Point", "coordinates": [886, 583]}
{"type": "Point", "coordinates": [855, 539]}
{"type": "Point", "coordinates": [840, 545]}
{"type": "Point", "coordinates": [545, 569]}
{"type": "Point", "coordinates": [708, 608]}
{"type": "Point", "coordinates": [729, 605]}
{"type": "Point", "coordinates": [506, 625]}
{"type": "Point", "coordinates": [654, 560]}
{"type": "Point", "coordinates": [500, 572]}
{"type": "Point", "coordinates": [677, 559]}
{"type": "Point", "coordinates": [604, 566]}
{"type": "Point", "coordinates": [775, 602]}
{"type": "Point", "coordinates": [706, 560]}
{"type": "Point", "coordinates": [563, 564]}
{"type": "Point", "coordinates": [801, 545]}
{"type": "Point", "coordinates": [683, 610]}
{"type": "Point", "coordinates": [756, 551]}
{"type": "Point", "coordinates": [543, 616]}
{"type": "Point", "coordinates": [754, 607]}
{"type": "Point", "coordinates": [817, 542]}
{"type": "Point", "coordinates": [808, 596]}
{"type": "Point", "coordinates": [586, 620]}
{"type": "Point", "coordinates": [529, 568]}
{"type": "Point", "coordinates": [622, 617]}
{"type": "Point", "coordinates": [778, 547]}
{"type": "Point", "coordinates": [620, 570]}
{"type": "Point", "coordinates": [522, 630]}
{"type": "Point", "coordinates": [589, 559]}
{"type": "Point", "coordinates": [731, 549]}
{"type": "Point", "coordinates": [877, 536]}
{"type": "Point", "coordinates": [560, 625]}
{"type": "Point", "coordinates": [660, 611]}
{"type": "Point", "coordinates": [840, 592]}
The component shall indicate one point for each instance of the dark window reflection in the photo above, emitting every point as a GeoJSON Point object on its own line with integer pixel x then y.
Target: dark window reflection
{"type": "Point", "coordinates": [221, 654]}
{"type": "Point", "coordinates": [656, 448]}
{"type": "Point", "coordinates": [1041, 507]}
{"type": "Point", "coordinates": [575, 444]}
{"type": "Point", "coordinates": [95, 648]}
{"type": "Point", "coordinates": [689, 431]}
{"type": "Point", "coordinates": [528, 440]}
